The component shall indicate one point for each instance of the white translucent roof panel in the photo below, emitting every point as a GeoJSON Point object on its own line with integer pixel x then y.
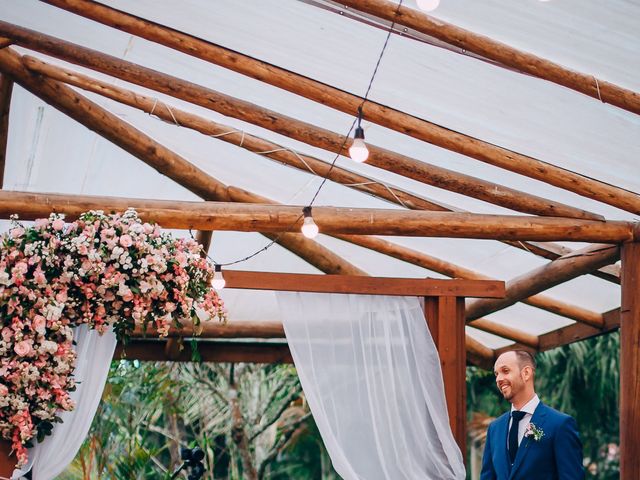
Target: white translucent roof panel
{"type": "Point", "coordinates": [49, 152]}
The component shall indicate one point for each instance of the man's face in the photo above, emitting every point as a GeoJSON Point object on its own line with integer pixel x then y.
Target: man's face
{"type": "Point", "coordinates": [508, 375]}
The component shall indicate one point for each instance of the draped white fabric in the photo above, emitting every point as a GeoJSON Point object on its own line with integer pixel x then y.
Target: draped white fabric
{"type": "Point", "coordinates": [371, 374]}
{"type": "Point", "coordinates": [49, 458]}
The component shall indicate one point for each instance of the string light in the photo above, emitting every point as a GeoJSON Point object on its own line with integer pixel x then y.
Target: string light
{"type": "Point", "coordinates": [218, 281]}
{"type": "Point", "coordinates": [358, 150]}
{"type": "Point", "coordinates": [309, 227]}
{"type": "Point", "coordinates": [428, 5]}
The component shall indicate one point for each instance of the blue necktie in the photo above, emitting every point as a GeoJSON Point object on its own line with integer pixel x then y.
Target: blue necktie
{"type": "Point", "coordinates": [516, 416]}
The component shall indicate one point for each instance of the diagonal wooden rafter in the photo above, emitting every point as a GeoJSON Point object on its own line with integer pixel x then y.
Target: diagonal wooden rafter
{"type": "Point", "coordinates": [6, 87]}
{"type": "Point", "coordinates": [500, 53]}
{"type": "Point", "coordinates": [348, 103]}
{"type": "Point", "coordinates": [558, 271]}
{"type": "Point", "coordinates": [143, 147]}
{"type": "Point", "coordinates": [157, 156]}
{"type": "Point", "coordinates": [288, 126]}
{"type": "Point", "coordinates": [263, 147]}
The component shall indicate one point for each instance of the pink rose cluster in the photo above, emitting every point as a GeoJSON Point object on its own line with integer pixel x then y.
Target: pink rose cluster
{"type": "Point", "coordinates": [101, 270]}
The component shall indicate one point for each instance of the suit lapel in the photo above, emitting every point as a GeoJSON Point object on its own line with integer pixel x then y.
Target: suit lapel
{"type": "Point", "coordinates": [503, 447]}
{"type": "Point", "coordinates": [538, 420]}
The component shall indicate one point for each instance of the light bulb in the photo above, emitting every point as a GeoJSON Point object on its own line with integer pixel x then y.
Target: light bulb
{"type": "Point", "coordinates": [358, 150]}
{"type": "Point", "coordinates": [218, 281]}
{"type": "Point", "coordinates": [428, 5]}
{"type": "Point", "coordinates": [309, 227]}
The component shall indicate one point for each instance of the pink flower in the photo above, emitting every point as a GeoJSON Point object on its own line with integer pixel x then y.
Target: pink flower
{"type": "Point", "coordinates": [17, 232]}
{"type": "Point", "coordinates": [126, 241]}
{"type": "Point", "coordinates": [23, 348]}
{"type": "Point", "coordinates": [39, 324]}
{"type": "Point", "coordinates": [41, 222]}
{"type": "Point", "coordinates": [58, 224]}
{"type": "Point", "coordinates": [4, 391]}
{"type": "Point", "coordinates": [7, 333]}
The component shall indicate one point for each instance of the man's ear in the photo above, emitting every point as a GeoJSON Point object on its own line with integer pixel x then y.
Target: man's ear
{"type": "Point", "coordinates": [527, 372]}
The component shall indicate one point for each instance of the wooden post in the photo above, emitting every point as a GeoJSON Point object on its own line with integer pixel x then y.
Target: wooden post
{"type": "Point", "coordinates": [445, 318]}
{"type": "Point", "coordinates": [630, 363]}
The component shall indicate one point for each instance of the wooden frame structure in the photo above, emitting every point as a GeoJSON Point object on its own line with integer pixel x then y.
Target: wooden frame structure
{"type": "Point", "coordinates": [226, 207]}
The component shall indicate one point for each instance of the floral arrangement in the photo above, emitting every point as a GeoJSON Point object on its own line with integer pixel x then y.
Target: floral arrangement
{"type": "Point", "coordinates": [534, 432]}
{"type": "Point", "coordinates": [101, 270]}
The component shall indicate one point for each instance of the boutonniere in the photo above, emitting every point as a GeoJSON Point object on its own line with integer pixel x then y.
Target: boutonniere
{"type": "Point", "coordinates": [534, 432]}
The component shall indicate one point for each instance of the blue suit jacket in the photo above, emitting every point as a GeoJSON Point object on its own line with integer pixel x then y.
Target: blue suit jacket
{"type": "Point", "coordinates": [556, 456]}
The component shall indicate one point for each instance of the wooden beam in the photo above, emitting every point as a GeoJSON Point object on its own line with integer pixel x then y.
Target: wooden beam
{"type": "Point", "coordinates": [551, 251]}
{"type": "Point", "coordinates": [455, 271]}
{"type": "Point", "coordinates": [6, 87]}
{"type": "Point", "coordinates": [225, 133]}
{"type": "Point", "coordinates": [288, 126]}
{"type": "Point", "coordinates": [445, 317]}
{"type": "Point", "coordinates": [345, 102]}
{"type": "Point", "coordinates": [576, 332]}
{"type": "Point", "coordinates": [214, 329]}
{"type": "Point", "coordinates": [271, 150]}
{"type": "Point", "coordinates": [332, 220]}
{"type": "Point", "coordinates": [210, 351]}
{"type": "Point", "coordinates": [479, 354]}
{"type": "Point", "coordinates": [154, 154]}
{"type": "Point", "coordinates": [556, 272]}
{"type": "Point", "coordinates": [505, 332]}
{"type": "Point", "coordinates": [630, 362]}
{"type": "Point", "coordinates": [362, 285]}
{"type": "Point", "coordinates": [500, 53]}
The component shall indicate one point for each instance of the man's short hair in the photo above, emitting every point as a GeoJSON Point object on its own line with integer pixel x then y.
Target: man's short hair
{"type": "Point", "coordinates": [525, 358]}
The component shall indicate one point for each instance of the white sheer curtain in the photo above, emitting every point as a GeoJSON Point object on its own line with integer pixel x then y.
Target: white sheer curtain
{"type": "Point", "coordinates": [371, 374]}
{"type": "Point", "coordinates": [49, 458]}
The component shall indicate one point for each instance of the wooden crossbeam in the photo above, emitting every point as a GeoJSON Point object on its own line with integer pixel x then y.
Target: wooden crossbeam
{"type": "Point", "coordinates": [332, 220]}
{"type": "Point", "coordinates": [555, 272]}
{"type": "Point", "coordinates": [304, 132]}
{"type": "Point", "coordinates": [500, 53]}
{"type": "Point", "coordinates": [363, 285]}
{"type": "Point", "coordinates": [345, 102]}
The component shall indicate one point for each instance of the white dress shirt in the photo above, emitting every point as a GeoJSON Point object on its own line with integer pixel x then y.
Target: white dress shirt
{"type": "Point", "coordinates": [529, 408]}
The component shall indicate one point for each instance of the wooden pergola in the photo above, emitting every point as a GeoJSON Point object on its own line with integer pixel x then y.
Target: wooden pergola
{"type": "Point", "coordinates": [225, 207]}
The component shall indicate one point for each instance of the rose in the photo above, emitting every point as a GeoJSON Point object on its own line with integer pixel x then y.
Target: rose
{"type": "Point", "coordinates": [58, 224]}
{"type": "Point", "coordinates": [39, 324]}
{"type": "Point", "coordinates": [126, 241]}
{"type": "Point", "coordinates": [23, 348]}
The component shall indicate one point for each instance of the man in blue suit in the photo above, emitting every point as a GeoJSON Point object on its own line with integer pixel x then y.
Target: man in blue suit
{"type": "Point", "coordinates": [532, 441]}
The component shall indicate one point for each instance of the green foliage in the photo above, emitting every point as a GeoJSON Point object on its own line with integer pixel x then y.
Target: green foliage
{"type": "Point", "coordinates": [150, 410]}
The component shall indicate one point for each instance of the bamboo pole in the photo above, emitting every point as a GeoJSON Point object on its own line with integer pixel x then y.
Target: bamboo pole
{"type": "Point", "coordinates": [504, 55]}
{"type": "Point", "coordinates": [295, 129]}
{"type": "Point", "coordinates": [273, 151]}
{"type": "Point", "coordinates": [154, 154]}
{"type": "Point", "coordinates": [6, 87]}
{"type": "Point", "coordinates": [556, 272]}
{"type": "Point", "coordinates": [380, 114]}
{"type": "Point", "coordinates": [332, 220]}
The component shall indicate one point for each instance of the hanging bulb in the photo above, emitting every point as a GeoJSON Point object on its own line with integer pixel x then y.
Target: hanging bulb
{"type": "Point", "coordinates": [309, 227]}
{"type": "Point", "coordinates": [358, 150]}
{"type": "Point", "coordinates": [428, 5]}
{"type": "Point", "coordinates": [218, 281]}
